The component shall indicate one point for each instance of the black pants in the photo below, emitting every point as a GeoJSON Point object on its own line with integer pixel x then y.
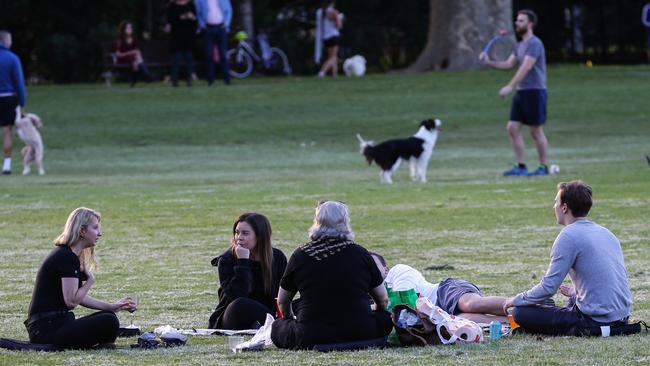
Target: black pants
{"type": "Point", "coordinates": [293, 334]}
{"type": "Point", "coordinates": [552, 320]}
{"type": "Point", "coordinates": [64, 331]}
{"type": "Point", "coordinates": [189, 62]}
{"type": "Point", "coordinates": [244, 313]}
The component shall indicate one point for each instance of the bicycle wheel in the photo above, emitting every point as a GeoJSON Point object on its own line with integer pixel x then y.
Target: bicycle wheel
{"type": "Point", "coordinates": [241, 63]}
{"type": "Point", "coordinates": [279, 63]}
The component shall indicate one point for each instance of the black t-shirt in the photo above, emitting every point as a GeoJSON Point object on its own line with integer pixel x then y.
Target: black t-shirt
{"type": "Point", "coordinates": [48, 291]}
{"type": "Point", "coordinates": [334, 278]}
{"type": "Point", "coordinates": [183, 31]}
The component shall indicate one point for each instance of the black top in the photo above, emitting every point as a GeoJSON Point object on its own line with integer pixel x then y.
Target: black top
{"type": "Point", "coordinates": [243, 278]}
{"type": "Point", "coordinates": [334, 277]}
{"type": "Point", "coordinates": [183, 30]}
{"type": "Point", "coordinates": [48, 291]}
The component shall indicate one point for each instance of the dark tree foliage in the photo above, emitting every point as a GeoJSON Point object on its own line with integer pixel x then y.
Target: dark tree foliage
{"type": "Point", "coordinates": [605, 31]}
{"type": "Point", "coordinates": [388, 33]}
{"type": "Point", "coordinates": [61, 40]}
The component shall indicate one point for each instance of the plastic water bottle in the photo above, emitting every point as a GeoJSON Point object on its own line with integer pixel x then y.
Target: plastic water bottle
{"type": "Point", "coordinates": [407, 319]}
{"type": "Point", "coordinates": [495, 330]}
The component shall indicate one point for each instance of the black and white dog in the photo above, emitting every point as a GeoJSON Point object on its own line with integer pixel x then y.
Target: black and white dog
{"type": "Point", "coordinates": [417, 149]}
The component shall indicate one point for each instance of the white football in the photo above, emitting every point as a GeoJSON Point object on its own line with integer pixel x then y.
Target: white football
{"type": "Point", "coordinates": [554, 169]}
{"type": "Point", "coordinates": [355, 66]}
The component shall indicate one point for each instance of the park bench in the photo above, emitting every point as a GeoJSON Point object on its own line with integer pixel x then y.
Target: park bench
{"type": "Point", "coordinates": [154, 52]}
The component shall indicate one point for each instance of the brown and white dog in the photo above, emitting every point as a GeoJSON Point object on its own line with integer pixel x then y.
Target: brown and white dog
{"type": "Point", "coordinates": [417, 149]}
{"type": "Point", "coordinates": [27, 127]}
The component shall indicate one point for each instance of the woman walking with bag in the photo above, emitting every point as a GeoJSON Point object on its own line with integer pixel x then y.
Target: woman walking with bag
{"type": "Point", "coordinates": [334, 276]}
{"type": "Point", "coordinates": [249, 275]}
{"type": "Point", "coordinates": [63, 282]}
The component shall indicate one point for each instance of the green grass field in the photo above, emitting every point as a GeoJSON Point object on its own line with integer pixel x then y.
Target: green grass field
{"type": "Point", "coordinates": [169, 169]}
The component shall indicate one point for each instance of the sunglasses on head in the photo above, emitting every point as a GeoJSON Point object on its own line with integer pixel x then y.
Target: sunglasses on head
{"type": "Point", "coordinates": [323, 201]}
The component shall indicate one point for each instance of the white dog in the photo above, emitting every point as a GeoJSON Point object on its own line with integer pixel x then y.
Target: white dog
{"type": "Point", "coordinates": [355, 66]}
{"type": "Point", "coordinates": [27, 129]}
{"type": "Point", "coordinates": [417, 149]}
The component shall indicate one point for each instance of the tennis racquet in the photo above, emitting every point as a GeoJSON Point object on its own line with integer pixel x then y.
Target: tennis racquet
{"type": "Point", "coordinates": [488, 46]}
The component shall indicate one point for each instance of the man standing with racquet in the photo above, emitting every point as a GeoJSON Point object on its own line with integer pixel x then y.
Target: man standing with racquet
{"type": "Point", "coordinates": [529, 102]}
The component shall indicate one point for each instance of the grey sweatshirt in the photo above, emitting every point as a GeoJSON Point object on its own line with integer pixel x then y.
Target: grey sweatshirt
{"type": "Point", "coordinates": [591, 255]}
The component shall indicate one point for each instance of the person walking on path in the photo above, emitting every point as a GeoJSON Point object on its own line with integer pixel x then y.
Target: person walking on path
{"type": "Point", "coordinates": [12, 94]}
{"type": "Point", "coordinates": [529, 102]}
{"type": "Point", "coordinates": [329, 22]}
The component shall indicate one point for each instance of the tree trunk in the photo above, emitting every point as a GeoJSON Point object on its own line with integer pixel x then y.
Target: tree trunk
{"type": "Point", "coordinates": [245, 10]}
{"type": "Point", "coordinates": [458, 31]}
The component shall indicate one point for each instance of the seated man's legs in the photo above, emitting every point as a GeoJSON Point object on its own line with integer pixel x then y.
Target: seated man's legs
{"type": "Point", "coordinates": [475, 307]}
{"type": "Point", "coordinates": [551, 320]}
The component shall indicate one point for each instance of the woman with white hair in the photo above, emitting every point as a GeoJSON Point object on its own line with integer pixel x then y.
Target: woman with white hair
{"type": "Point", "coordinates": [334, 276]}
{"type": "Point", "coordinates": [63, 282]}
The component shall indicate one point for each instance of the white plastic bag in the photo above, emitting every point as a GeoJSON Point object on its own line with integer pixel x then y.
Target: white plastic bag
{"type": "Point", "coordinates": [261, 338]}
{"type": "Point", "coordinates": [450, 328]}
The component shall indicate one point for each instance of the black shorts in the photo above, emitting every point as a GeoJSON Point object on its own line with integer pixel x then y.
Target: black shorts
{"type": "Point", "coordinates": [449, 292]}
{"type": "Point", "coordinates": [529, 107]}
{"type": "Point", "coordinates": [8, 110]}
{"type": "Point", "coordinates": [332, 41]}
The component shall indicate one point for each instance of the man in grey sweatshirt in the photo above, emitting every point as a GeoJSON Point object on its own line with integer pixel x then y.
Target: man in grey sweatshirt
{"type": "Point", "coordinates": [591, 255]}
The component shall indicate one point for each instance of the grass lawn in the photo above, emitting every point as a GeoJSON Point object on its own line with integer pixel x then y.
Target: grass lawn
{"type": "Point", "coordinates": [170, 168]}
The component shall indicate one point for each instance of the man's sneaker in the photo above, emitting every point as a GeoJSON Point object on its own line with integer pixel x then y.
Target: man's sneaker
{"type": "Point", "coordinates": [6, 172]}
{"type": "Point", "coordinates": [647, 157]}
{"type": "Point", "coordinates": [541, 170]}
{"type": "Point", "coordinates": [516, 171]}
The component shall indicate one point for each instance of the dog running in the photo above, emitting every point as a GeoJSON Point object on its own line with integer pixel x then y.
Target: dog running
{"type": "Point", "coordinates": [417, 149]}
{"type": "Point", "coordinates": [27, 129]}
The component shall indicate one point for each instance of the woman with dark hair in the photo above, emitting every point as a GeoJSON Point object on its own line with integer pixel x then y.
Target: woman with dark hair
{"type": "Point", "coordinates": [127, 52]}
{"type": "Point", "coordinates": [334, 276]}
{"type": "Point", "coordinates": [329, 22]}
{"type": "Point", "coordinates": [63, 282]}
{"type": "Point", "coordinates": [249, 275]}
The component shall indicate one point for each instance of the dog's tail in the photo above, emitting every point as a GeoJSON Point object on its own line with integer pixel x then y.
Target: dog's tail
{"type": "Point", "coordinates": [365, 147]}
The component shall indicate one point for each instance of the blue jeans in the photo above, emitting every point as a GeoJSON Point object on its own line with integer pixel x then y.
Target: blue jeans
{"type": "Point", "coordinates": [212, 35]}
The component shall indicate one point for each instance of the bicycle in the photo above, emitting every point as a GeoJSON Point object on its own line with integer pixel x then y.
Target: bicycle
{"type": "Point", "coordinates": [243, 58]}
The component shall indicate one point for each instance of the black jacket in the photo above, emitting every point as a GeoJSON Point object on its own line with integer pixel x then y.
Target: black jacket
{"type": "Point", "coordinates": [243, 278]}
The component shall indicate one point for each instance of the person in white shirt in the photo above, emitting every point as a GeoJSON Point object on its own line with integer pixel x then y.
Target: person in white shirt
{"type": "Point", "coordinates": [329, 22]}
{"type": "Point", "coordinates": [455, 296]}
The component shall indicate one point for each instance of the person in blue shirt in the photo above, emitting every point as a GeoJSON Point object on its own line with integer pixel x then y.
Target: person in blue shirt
{"type": "Point", "coordinates": [213, 17]}
{"type": "Point", "coordinates": [12, 94]}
